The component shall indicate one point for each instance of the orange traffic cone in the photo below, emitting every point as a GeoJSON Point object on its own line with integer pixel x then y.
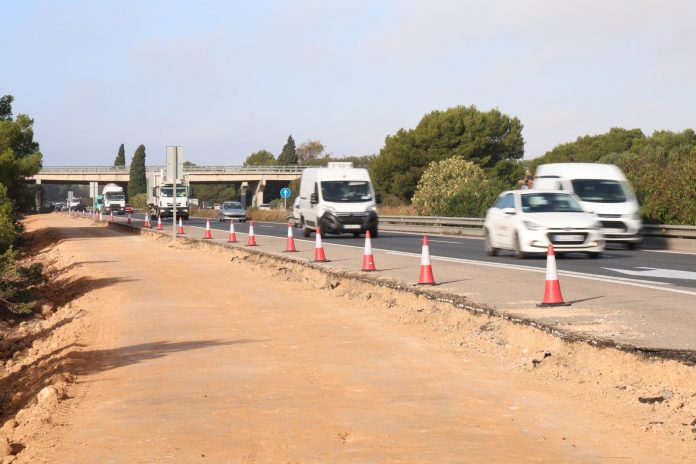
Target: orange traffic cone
{"type": "Point", "coordinates": [552, 291]}
{"type": "Point", "coordinates": [368, 259]}
{"type": "Point", "coordinates": [319, 255]}
{"type": "Point", "coordinates": [426, 271]}
{"type": "Point", "coordinates": [159, 223]}
{"type": "Point", "coordinates": [180, 229]}
{"type": "Point", "coordinates": [291, 240]}
{"type": "Point", "coordinates": [207, 234]}
{"type": "Point", "coordinates": [233, 234]}
{"type": "Point", "coordinates": [129, 219]}
{"type": "Point", "coordinates": [252, 238]}
{"type": "Point", "coordinates": [147, 220]}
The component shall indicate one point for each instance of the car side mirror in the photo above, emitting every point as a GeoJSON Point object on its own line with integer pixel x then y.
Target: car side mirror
{"type": "Point", "coordinates": [314, 199]}
{"type": "Point", "coordinates": [378, 198]}
{"type": "Point", "coordinates": [509, 210]}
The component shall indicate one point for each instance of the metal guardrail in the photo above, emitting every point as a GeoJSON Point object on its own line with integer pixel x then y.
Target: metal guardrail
{"type": "Point", "coordinates": [192, 169]}
{"type": "Point", "coordinates": [474, 226]}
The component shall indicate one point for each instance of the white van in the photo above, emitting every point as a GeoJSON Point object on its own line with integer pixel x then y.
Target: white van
{"type": "Point", "coordinates": [338, 199]}
{"type": "Point", "coordinates": [603, 190]}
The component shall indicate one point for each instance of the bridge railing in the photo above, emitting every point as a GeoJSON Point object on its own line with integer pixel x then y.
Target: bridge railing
{"type": "Point", "coordinates": [474, 226]}
{"type": "Point", "coordinates": [192, 169]}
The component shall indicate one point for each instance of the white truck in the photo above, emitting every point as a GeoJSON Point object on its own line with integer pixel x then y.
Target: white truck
{"type": "Point", "coordinates": [113, 199]}
{"type": "Point", "coordinates": [160, 196]}
{"type": "Point", "coordinates": [338, 199]}
{"type": "Point", "coordinates": [74, 204]}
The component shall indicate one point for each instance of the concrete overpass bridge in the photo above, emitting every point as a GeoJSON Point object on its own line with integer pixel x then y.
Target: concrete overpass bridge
{"type": "Point", "coordinates": [259, 180]}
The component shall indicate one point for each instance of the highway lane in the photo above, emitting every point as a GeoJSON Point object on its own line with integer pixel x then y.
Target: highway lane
{"type": "Point", "coordinates": [645, 267]}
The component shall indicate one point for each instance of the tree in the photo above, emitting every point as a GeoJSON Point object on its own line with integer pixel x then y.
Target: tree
{"type": "Point", "coordinates": [455, 187]}
{"type": "Point", "coordinates": [260, 158]}
{"type": "Point", "coordinates": [288, 156]}
{"type": "Point", "coordinates": [590, 148]}
{"type": "Point", "coordinates": [6, 107]}
{"type": "Point", "coordinates": [308, 151]}
{"type": "Point", "coordinates": [485, 138]}
{"type": "Point", "coordinates": [120, 157]}
{"type": "Point", "coordinates": [137, 183]}
{"type": "Point", "coordinates": [19, 155]}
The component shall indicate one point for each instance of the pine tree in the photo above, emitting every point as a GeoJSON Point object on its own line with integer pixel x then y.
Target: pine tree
{"type": "Point", "coordinates": [136, 184]}
{"type": "Point", "coordinates": [288, 156]}
{"type": "Point", "coordinates": [121, 157]}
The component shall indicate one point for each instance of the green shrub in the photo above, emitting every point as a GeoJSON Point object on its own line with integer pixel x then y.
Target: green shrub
{"type": "Point", "coordinates": [139, 201]}
{"type": "Point", "coordinates": [455, 187]}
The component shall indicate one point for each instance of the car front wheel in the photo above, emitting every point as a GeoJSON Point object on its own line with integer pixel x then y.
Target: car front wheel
{"type": "Point", "coordinates": [519, 254]}
{"type": "Point", "coordinates": [488, 244]}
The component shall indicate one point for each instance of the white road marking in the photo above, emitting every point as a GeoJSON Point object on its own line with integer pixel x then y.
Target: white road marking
{"type": "Point", "coordinates": [617, 280]}
{"type": "Point", "coordinates": [657, 272]}
{"type": "Point", "coordinates": [580, 275]}
{"type": "Point", "coordinates": [444, 241]}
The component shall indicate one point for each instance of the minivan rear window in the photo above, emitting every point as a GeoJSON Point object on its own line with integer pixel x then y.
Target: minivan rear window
{"type": "Point", "coordinates": [599, 190]}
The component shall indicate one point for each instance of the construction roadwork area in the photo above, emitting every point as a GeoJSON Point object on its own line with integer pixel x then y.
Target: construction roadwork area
{"type": "Point", "coordinates": [159, 352]}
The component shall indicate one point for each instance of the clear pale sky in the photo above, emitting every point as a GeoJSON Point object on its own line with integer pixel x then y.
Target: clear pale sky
{"type": "Point", "coordinates": [227, 78]}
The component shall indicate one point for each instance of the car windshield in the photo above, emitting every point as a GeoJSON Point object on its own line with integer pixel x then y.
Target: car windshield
{"type": "Point", "coordinates": [346, 191]}
{"type": "Point", "coordinates": [600, 190]}
{"type": "Point", "coordinates": [232, 205]}
{"type": "Point", "coordinates": [549, 203]}
{"type": "Point", "coordinates": [180, 191]}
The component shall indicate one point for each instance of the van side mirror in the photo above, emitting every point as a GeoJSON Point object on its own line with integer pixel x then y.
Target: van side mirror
{"type": "Point", "coordinates": [378, 198]}
{"type": "Point", "coordinates": [313, 199]}
{"type": "Point", "coordinates": [509, 210]}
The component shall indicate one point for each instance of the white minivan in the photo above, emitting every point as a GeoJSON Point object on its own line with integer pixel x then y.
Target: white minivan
{"type": "Point", "coordinates": [603, 190]}
{"type": "Point", "coordinates": [338, 199]}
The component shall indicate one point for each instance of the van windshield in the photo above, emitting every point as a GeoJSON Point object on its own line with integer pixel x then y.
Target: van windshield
{"type": "Point", "coordinates": [114, 196]}
{"type": "Point", "coordinates": [549, 203]}
{"type": "Point", "coordinates": [599, 190]}
{"type": "Point", "coordinates": [346, 191]}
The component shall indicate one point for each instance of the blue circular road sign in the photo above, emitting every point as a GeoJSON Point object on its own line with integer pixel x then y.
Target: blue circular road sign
{"type": "Point", "coordinates": [285, 192]}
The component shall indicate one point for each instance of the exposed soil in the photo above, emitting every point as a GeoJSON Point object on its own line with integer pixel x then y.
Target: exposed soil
{"type": "Point", "coordinates": [151, 352]}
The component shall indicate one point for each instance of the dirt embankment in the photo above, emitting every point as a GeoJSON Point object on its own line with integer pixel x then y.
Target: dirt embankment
{"type": "Point", "coordinates": [650, 403]}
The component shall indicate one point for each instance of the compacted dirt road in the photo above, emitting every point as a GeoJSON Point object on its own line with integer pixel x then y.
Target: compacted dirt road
{"type": "Point", "coordinates": [185, 357]}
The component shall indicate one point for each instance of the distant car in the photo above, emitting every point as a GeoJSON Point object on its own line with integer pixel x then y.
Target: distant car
{"type": "Point", "coordinates": [233, 210]}
{"type": "Point", "coordinates": [216, 206]}
{"type": "Point", "coordinates": [527, 221]}
{"type": "Point", "coordinates": [129, 209]}
{"type": "Point", "coordinates": [265, 206]}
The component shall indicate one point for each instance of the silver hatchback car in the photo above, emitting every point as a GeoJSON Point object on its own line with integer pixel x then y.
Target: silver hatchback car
{"type": "Point", "coordinates": [233, 210]}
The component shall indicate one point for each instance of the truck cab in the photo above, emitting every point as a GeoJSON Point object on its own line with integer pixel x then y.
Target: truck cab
{"type": "Point", "coordinates": [162, 195]}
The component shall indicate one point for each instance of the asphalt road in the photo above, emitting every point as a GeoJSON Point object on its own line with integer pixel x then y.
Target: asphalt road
{"type": "Point", "coordinates": [648, 267]}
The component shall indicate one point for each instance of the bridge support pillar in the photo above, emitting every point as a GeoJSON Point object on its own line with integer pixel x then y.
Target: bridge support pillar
{"type": "Point", "coordinates": [258, 194]}
{"type": "Point", "coordinates": [243, 189]}
{"type": "Point", "coordinates": [37, 195]}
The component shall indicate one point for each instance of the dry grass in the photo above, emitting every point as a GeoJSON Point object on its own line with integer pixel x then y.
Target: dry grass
{"type": "Point", "coordinates": [273, 215]}
{"type": "Point", "coordinates": [405, 210]}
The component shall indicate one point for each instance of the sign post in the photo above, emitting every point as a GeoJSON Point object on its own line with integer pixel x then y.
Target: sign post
{"type": "Point", "coordinates": [93, 192]}
{"type": "Point", "coordinates": [285, 194]}
{"type": "Point", "coordinates": [175, 173]}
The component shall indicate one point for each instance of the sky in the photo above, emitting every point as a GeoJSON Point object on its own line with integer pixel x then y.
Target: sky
{"type": "Point", "coordinates": [226, 78]}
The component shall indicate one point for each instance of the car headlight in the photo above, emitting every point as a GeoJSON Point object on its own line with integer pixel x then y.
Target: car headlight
{"type": "Point", "coordinates": [329, 209]}
{"type": "Point", "coordinates": [635, 215]}
{"type": "Point", "coordinates": [596, 225]}
{"type": "Point", "coordinates": [371, 209]}
{"type": "Point", "coordinates": [532, 225]}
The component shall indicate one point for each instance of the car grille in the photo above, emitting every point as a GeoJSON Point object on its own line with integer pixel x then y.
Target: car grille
{"type": "Point", "coordinates": [618, 225]}
{"type": "Point", "coordinates": [556, 238]}
{"type": "Point", "coordinates": [351, 218]}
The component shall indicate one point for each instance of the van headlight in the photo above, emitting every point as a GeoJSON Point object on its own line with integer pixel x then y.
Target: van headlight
{"type": "Point", "coordinates": [533, 226]}
{"type": "Point", "coordinates": [329, 209]}
{"type": "Point", "coordinates": [636, 216]}
{"type": "Point", "coordinates": [596, 225]}
{"type": "Point", "coordinates": [371, 209]}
